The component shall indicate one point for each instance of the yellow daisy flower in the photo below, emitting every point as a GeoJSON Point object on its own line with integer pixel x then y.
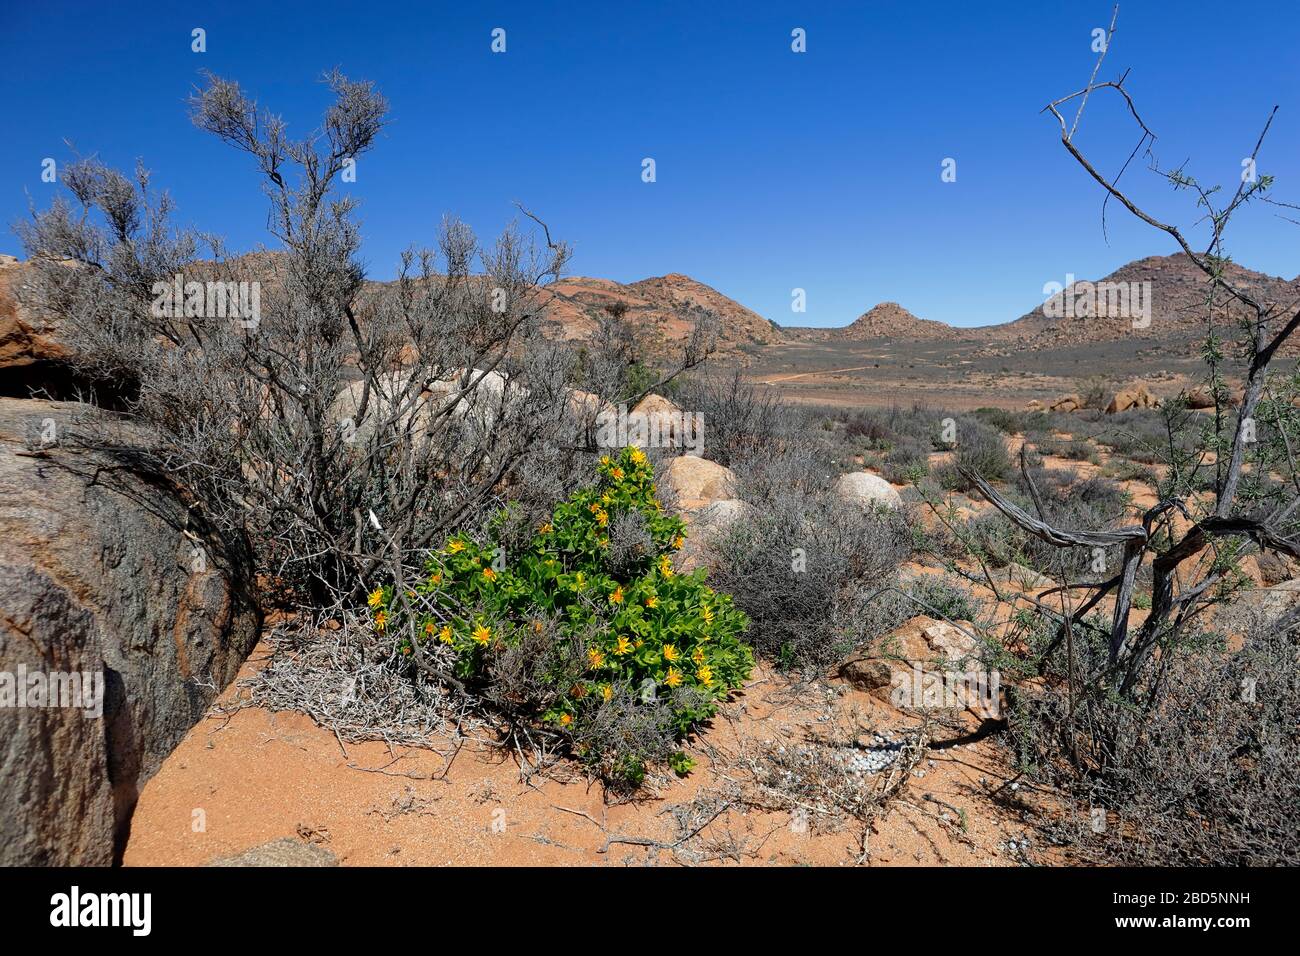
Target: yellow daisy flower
{"type": "Point", "coordinates": [456, 546]}
{"type": "Point", "coordinates": [595, 658]}
{"type": "Point", "coordinates": [565, 720]}
{"type": "Point", "coordinates": [652, 601]}
{"type": "Point", "coordinates": [705, 675]}
{"type": "Point", "coordinates": [624, 646]}
{"type": "Point", "coordinates": [698, 655]}
{"type": "Point", "coordinates": [671, 653]}
{"type": "Point", "coordinates": [381, 620]}
{"type": "Point", "coordinates": [617, 596]}
{"type": "Point", "coordinates": [546, 528]}
{"type": "Point", "coordinates": [679, 541]}
{"type": "Point", "coordinates": [617, 473]}
{"type": "Point", "coordinates": [665, 566]}
{"type": "Point", "coordinates": [606, 691]}
{"type": "Point", "coordinates": [637, 456]}
{"type": "Point", "coordinates": [489, 574]}
{"type": "Point", "coordinates": [376, 597]}
{"type": "Point", "coordinates": [444, 635]}
{"type": "Point", "coordinates": [435, 577]}
{"type": "Point", "coordinates": [673, 678]}
{"type": "Point", "coordinates": [481, 634]}
{"type": "Point", "coordinates": [707, 613]}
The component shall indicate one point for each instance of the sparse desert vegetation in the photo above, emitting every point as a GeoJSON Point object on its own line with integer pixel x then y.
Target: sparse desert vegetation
{"type": "Point", "coordinates": [624, 570]}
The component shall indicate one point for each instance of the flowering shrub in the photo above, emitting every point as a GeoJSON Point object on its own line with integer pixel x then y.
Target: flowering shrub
{"type": "Point", "coordinates": [628, 623]}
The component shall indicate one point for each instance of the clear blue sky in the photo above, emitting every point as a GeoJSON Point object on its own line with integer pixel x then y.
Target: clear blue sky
{"type": "Point", "coordinates": [776, 170]}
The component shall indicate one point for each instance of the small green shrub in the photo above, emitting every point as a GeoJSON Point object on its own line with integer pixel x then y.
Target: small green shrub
{"type": "Point", "coordinates": [629, 630]}
{"type": "Point", "coordinates": [908, 462]}
{"type": "Point", "coordinates": [980, 449]}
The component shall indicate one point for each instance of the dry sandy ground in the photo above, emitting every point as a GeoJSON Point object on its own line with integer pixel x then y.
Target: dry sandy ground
{"type": "Point", "coordinates": [254, 776]}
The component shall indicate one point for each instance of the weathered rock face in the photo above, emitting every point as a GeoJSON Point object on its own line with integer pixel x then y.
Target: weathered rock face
{"type": "Point", "coordinates": [864, 489]}
{"type": "Point", "coordinates": [892, 668]}
{"type": "Point", "coordinates": [698, 482]}
{"type": "Point", "coordinates": [25, 338]}
{"type": "Point", "coordinates": [102, 572]}
{"type": "Point", "coordinates": [1258, 607]}
{"type": "Point", "coordinates": [1137, 396]}
{"type": "Point", "coordinates": [1067, 403]}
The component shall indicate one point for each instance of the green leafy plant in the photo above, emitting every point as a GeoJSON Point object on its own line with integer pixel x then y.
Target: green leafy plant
{"type": "Point", "coordinates": [599, 574]}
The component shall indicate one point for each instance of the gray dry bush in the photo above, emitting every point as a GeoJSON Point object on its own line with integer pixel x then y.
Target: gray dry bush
{"type": "Point", "coordinates": [807, 570]}
{"type": "Point", "coordinates": [354, 422]}
{"type": "Point", "coordinates": [1202, 763]}
{"type": "Point", "coordinates": [980, 449]}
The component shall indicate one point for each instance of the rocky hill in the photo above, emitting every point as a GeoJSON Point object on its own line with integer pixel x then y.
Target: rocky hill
{"type": "Point", "coordinates": [891, 320]}
{"type": "Point", "coordinates": [1158, 298]}
{"type": "Point", "coordinates": [664, 309]}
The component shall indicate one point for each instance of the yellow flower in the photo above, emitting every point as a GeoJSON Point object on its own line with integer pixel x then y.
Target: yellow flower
{"type": "Point", "coordinates": [489, 574]}
{"type": "Point", "coordinates": [595, 658]}
{"type": "Point", "coordinates": [637, 455]}
{"type": "Point", "coordinates": [607, 498]}
{"type": "Point", "coordinates": [698, 655]}
{"type": "Point", "coordinates": [617, 596]}
{"type": "Point", "coordinates": [481, 634]}
{"type": "Point", "coordinates": [604, 460]}
{"type": "Point", "coordinates": [444, 635]}
{"type": "Point", "coordinates": [381, 620]}
{"type": "Point", "coordinates": [673, 678]}
{"type": "Point", "coordinates": [652, 601]}
{"type": "Point", "coordinates": [579, 580]}
{"type": "Point", "coordinates": [624, 646]}
{"type": "Point", "coordinates": [565, 720]}
{"type": "Point", "coordinates": [435, 577]}
{"type": "Point", "coordinates": [707, 613]}
{"type": "Point", "coordinates": [603, 542]}
{"type": "Point", "coordinates": [456, 546]}
{"type": "Point", "coordinates": [671, 653]}
{"type": "Point", "coordinates": [617, 473]}
{"type": "Point", "coordinates": [602, 518]}
{"type": "Point", "coordinates": [546, 528]}
{"type": "Point", "coordinates": [429, 628]}
{"type": "Point", "coordinates": [679, 541]}
{"type": "Point", "coordinates": [665, 566]}
{"type": "Point", "coordinates": [705, 675]}
{"type": "Point", "coordinates": [606, 691]}
{"type": "Point", "coordinates": [593, 507]}
{"type": "Point", "coordinates": [376, 597]}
